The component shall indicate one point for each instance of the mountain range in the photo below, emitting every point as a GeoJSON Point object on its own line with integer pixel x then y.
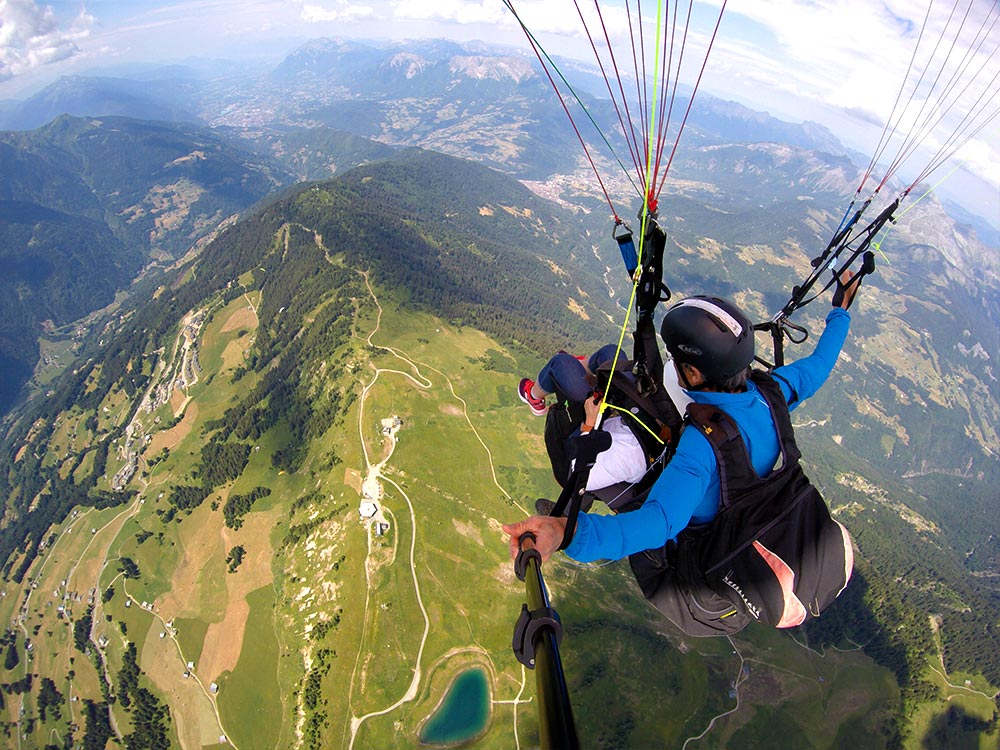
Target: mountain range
{"type": "Point", "coordinates": [277, 303]}
{"type": "Point", "coordinates": [111, 195]}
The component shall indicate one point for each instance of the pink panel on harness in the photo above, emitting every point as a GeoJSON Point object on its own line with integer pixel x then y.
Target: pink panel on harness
{"type": "Point", "coordinates": [848, 556]}
{"type": "Point", "coordinates": [794, 613]}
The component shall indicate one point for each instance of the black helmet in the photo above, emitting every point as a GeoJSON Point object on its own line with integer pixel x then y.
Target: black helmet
{"type": "Point", "coordinates": [710, 333]}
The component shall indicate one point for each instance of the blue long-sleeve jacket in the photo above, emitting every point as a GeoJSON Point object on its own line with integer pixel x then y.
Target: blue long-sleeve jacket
{"type": "Point", "coordinates": [688, 489]}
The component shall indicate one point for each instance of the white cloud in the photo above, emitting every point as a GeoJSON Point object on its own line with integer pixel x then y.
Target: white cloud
{"type": "Point", "coordinates": [31, 36]}
{"type": "Point", "coordinates": [453, 11]}
{"type": "Point", "coordinates": [340, 10]}
{"type": "Point", "coordinates": [542, 17]}
{"type": "Point", "coordinates": [978, 157]}
{"type": "Point", "coordinates": [839, 52]}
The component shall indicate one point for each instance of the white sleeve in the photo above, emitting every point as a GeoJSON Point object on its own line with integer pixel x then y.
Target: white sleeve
{"type": "Point", "coordinates": [677, 394]}
{"type": "Point", "coordinates": [624, 461]}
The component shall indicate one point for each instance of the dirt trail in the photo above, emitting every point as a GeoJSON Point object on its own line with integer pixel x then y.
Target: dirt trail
{"type": "Point", "coordinates": [372, 489]}
{"type": "Point", "coordinates": [372, 484]}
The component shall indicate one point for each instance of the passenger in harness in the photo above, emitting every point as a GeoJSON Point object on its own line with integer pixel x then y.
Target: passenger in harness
{"type": "Point", "coordinates": [712, 344]}
{"type": "Point", "coordinates": [573, 380]}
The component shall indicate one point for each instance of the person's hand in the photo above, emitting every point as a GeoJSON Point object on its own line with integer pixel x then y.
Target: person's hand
{"type": "Point", "coordinates": [548, 530]}
{"type": "Point", "coordinates": [848, 289]}
{"type": "Point", "coordinates": [592, 408]}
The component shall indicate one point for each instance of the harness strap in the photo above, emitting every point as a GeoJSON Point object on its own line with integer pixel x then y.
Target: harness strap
{"type": "Point", "coordinates": [737, 475]}
{"type": "Point", "coordinates": [771, 392]}
{"type": "Point", "coordinates": [795, 394]}
{"type": "Point", "coordinates": [651, 273]}
{"type": "Point", "coordinates": [587, 446]}
{"type": "Point", "coordinates": [722, 433]}
{"type": "Point", "coordinates": [661, 410]}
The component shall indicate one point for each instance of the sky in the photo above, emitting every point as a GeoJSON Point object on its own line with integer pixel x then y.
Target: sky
{"type": "Point", "coordinates": [841, 63]}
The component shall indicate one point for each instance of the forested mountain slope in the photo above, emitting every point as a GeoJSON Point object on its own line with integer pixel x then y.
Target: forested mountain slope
{"type": "Point", "coordinates": [86, 204]}
{"type": "Point", "coordinates": [455, 264]}
{"type": "Point", "coordinates": [167, 99]}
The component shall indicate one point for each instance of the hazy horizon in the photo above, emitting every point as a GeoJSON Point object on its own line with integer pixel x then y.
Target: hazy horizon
{"type": "Point", "coordinates": [841, 65]}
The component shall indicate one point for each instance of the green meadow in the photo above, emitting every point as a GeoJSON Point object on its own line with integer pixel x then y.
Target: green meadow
{"type": "Point", "coordinates": [249, 699]}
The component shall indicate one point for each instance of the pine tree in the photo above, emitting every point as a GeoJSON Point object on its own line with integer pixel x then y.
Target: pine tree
{"type": "Point", "coordinates": [12, 659]}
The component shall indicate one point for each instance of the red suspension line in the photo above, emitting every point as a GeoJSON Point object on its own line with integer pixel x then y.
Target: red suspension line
{"type": "Point", "coordinates": [640, 80]}
{"type": "Point", "coordinates": [701, 72]}
{"type": "Point", "coordinates": [627, 130]}
{"type": "Point", "coordinates": [647, 160]}
{"type": "Point", "coordinates": [665, 74]}
{"type": "Point", "coordinates": [648, 175]}
{"type": "Point", "coordinates": [562, 101]}
{"type": "Point", "coordinates": [621, 89]}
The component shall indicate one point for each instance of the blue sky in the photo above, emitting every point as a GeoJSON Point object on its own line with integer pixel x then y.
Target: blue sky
{"type": "Point", "coordinates": [838, 62]}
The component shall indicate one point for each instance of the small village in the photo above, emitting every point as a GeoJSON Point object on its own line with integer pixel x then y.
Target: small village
{"type": "Point", "coordinates": [183, 374]}
{"type": "Point", "coordinates": [370, 508]}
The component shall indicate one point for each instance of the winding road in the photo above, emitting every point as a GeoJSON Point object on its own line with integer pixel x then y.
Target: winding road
{"type": "Point", "coordinates": [373, 490]}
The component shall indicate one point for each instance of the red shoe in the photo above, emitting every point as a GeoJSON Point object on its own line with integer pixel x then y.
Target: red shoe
{"type": "Point", "coordinates": [537, 405]}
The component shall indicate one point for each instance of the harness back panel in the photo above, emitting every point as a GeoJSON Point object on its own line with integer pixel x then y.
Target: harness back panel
{"type": "Point", "coordinates": [773, 553]}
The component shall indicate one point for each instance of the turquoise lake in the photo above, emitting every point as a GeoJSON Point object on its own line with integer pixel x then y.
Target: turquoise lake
{"type": "Point", "coordinates": [463, 713]}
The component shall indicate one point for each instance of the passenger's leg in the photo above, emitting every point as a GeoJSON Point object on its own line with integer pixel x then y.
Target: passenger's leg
{"type": "Point", "coordinates": [605, 354]}
{"type": "Point", "coordinates": [566, 375]}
